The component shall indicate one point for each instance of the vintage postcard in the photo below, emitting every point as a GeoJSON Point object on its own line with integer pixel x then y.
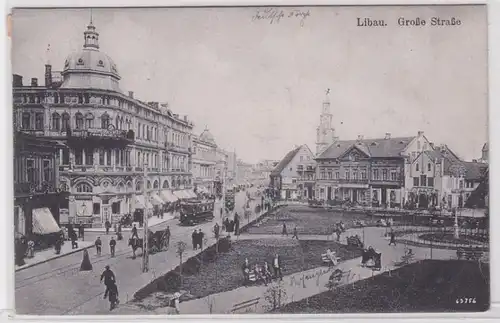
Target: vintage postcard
{"type": "Point", "coordinates": [241, 160]}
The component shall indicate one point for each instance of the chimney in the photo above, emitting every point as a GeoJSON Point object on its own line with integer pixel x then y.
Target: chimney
{"type": "Point", "coordinates": [131, 94]}
{"type": "Point", "coordinates": [48, 75]}
{"type": "Point", "coordinates": [17, 80]}
{"type": "Point", "coordinates": [34, 81]}
{"type": "Point", "coordinates": [387, 135]}
{"type": "Point", "coordinates": [420, 133]}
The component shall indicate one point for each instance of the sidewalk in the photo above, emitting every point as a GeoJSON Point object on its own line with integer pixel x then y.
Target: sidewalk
{"type": "Point", "coordinates": [152, 222]}
{"type": "Point", "coordinates": [49, 254]}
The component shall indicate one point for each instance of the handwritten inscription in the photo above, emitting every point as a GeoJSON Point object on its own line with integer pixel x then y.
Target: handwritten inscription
{"type": "Point", "coordinates": [409, 22]}
{"type": "Point", "coordinates": [276, 15]}
{"type": "Point", "coordinates": [300, 280]}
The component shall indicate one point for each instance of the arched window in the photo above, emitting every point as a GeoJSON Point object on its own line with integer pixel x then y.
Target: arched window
{"type": "Point", "coordinates": [156, 185]}
{"type": "Point", "coordinates": [56, 121]}
{"type": "Point", "coordinates": [26, 120]}
{"type": "Point", "coordinates": [79, 121]}
{"type": "Point", "coordinates": [129, 186]}
{"type": "Point", "coordinates": [178, 182]}
{"type": "Point", "coordinates": [105, 121]}
{"type": "Point", "coordinates": [416, 167]}
{"type": "Point", "coordinates": [89, 121]}
{"type": "Point", "coordinates": [84, 188]}
{"type": "Point", "coordinates": [429, 167]}
{"type": "Point", "coordinates": [65, 121]}
{"type": "Point", "coordinates": [149, 184]}
{"type": "Point", "coordinates": [121, 187]}
{"type": "Point", "coordinates": [165, 184]}
{"type": "Point", "coordinates": [138, 186]}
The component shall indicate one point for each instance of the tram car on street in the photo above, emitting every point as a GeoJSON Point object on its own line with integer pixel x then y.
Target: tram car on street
{"type": "Point", "coordinates": [230, 201]}
{"type": "Point", "coordinates": [196, 211]}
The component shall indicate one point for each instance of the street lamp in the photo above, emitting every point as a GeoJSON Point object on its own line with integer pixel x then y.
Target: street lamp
{"type": "Point", "coordinates": [145, 250]}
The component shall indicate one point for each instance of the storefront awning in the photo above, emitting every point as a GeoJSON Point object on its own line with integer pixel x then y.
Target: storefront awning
{"type": "Point", "coordinates": [44, 222]}
{"type": "Point", "coordinates": [156, 200]}
{"type": "Point", "coordinates": [181, 195]}
{"type": "Point", "coordinates": [191, 194]}
{"type": "Point", "coordinates": [168, 196]}
{"type": "Point", "coordinates": [140, 203]}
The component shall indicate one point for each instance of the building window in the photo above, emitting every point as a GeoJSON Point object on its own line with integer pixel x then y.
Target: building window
{"type": "Point", "coordinates": [65, 122]}
{"type": "Point", "coordinates": [376, 174]}
{"type": "Point", "coordinates": [89, 121]}
{"type": "Point", "coordinates": [84, 188]}
{"type": "Point", "coordinates": [429, 167]}
{"type": "Point", "coordinates": [96, 208]}
{"type": "Point", "coordinates": [330, 175]}
{"type": "Point", "coordinates": [65, 156]}
{"type": "Point", "coordinates": [117, 156]}
{"type": "Point", "coordinates": [322, 175]}
{"type": "Point", "coordinates": [355, 175]}
{"type": "Point", "coordinates": [47, 171]}
{"type": "Point", "coordinates": [363, 174]}
{"type": "Point", "coordinates": [347, 175]}
{"type": "Point", "coordinates": [430, 181]}
{"type": "Point", "coordinates": [56, 121]}
{"type": "Point", "coordinates": [337, 175]}
{"type": "Point", "coordinates": [423, 180]}
{"type": "Point", "coordinates": [30, 171]}
{"type": "Point", "coordinates": [26, 120]}
{"type": "Point", "coordinates": [461, 184]}
{"type": "Point", "coordinates": [101, 157]}
{"type": "Point", "coordinates": [416, 167]}
{"type": "Point", "coordinates": [39, 121]}
{"type": "Point", "coordinates": [393, 175]}
{"type": "Point", "coordinates": [105, 121]}
{"type": "Point", "coordinates": [384, 174]}
{"type": "Point", "coordinates": [89, 156]}
{"type": "Point", "coordinates": [115, 208]}
{"type": "Point", "coordinates": [108, 157]}
{"type": "Point", "coordinates": [79, 121]}
{"type": "Point", "coordinates": [415, 181]}
{"type": "Point", "coordinates": [78, 156]}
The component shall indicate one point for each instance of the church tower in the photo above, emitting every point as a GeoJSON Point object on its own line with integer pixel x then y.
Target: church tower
{"type": "Point", "coordinates": [325, 133]}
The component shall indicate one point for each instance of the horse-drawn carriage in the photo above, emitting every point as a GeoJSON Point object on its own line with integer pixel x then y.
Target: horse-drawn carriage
{"type": "Point", "coordinates": [196, 211]}
{"type": "Point", "coordinates": [230, 201]}
{"type": "Point", "coordinates": [157, 241]}
{"type": "Point", "coordinates": [354, 241]}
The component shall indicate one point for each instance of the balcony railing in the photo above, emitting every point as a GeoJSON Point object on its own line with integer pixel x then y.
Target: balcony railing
{"type": "Point", "coordinates": [33, 188]}
{"type": "Point", "coordinates": [353, 181]}
{"type": "Point", "coordinates": [97, 136]}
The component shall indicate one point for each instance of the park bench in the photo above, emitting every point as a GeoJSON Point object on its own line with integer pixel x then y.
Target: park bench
{"type": "Point", "coordinates": [245, 307]}
{"type": "Point", "coordinates": [328, 260]}
{"type": "Point", "coordinates": [406, 259]}
{"type": "Point", "coordinates": [469, 254]}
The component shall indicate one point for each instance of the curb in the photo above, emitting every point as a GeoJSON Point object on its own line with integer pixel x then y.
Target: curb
{"type": "Point", "coordinates": [53, 258]}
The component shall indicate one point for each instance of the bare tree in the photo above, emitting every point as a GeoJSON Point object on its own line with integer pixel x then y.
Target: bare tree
{"type": "Point", "coordinates": [275, 295]}
{"type": "Point", "coordinates": [181, 248]}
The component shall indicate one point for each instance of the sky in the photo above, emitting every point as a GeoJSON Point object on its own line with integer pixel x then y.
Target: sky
{"type": "Point", "coordinates": [258, 84]}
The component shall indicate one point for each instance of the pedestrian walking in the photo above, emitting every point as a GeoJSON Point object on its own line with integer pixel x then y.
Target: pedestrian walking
{"type": "Point", "coordinates": [194, 238]}
{"type": "Point", "coordinates": [237, 225]}
{"type": "Point", "coordinates": [81, 231]}
{"type": "Point", "coordinates": [113, 296]}
{"type": "Point", "coordinates": [31, 248]}
{"type": "Point", "coordinates": [201, 235]}
{"type": "Point", "coordinates": [295, 233]}
{"type": "Point", "coordinates": [393, 238]}
{"type": "Point", "coordinates": [58, 245]}
{"type": "Point", "coordinates": [107, 225]}
{"type": "Point", "coordinates": [277, 267]}
{"type": "Point", "coordinates": [134, 232]}
{"type": "Point", "coordinates": [98, 245]}
{"type": "Point", "coordinates": [283, 231]}
{"type": "Point", "coordinates": [112, 245]}
{"type": "Point", "coordinates": [74, 243]}
{"type": "Point", "coordinates": [167, 236]}
{"type": "Point", "coordinates": [109, 279]}
{"type": "Point", "coordinates": [216, 231]}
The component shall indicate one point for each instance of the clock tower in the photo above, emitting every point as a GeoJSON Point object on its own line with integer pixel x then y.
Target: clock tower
{"type": "Point", "coordinates": [325, 133]}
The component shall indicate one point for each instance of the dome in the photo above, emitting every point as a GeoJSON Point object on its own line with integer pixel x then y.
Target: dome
{"type": "Point", "coordinates": [206, 136]}
{"type": "Point", "coordinates": [90, 68]}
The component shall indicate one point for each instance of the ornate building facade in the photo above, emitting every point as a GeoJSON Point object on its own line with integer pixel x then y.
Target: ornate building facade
{"type": "Point", "coordinates": [110, 137]}
{"type": "Point", "coordinates": [204, 162]}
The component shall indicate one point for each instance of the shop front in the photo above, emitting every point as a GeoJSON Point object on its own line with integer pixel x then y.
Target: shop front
{"type": "Point", "coordinates": [386, 196]}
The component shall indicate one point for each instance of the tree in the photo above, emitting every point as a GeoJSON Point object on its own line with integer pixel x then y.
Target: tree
{"type": "Point", "coordinates": [275, 295]}
{"type": "Point", "coordinates": [181, 248]}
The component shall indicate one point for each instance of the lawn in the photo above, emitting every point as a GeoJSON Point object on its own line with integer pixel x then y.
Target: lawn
{"type": "Point", "coordinates": [202, 278]}
{"type": "Point", "coordinates": [427, 286]}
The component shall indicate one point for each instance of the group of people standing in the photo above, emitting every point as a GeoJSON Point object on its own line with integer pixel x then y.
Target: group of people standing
{"type": "Point", "coordinates": [232, 225]}
{"type": "Point", "coordinates": [197, 239]}
{"type": "Point", "coordinates": [262, 272]}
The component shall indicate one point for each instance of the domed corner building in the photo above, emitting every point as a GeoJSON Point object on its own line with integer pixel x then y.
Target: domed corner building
{"type": "Point", "coordinates": [205, 163]}
{"type": "Point", "coordinates": [109, 139]}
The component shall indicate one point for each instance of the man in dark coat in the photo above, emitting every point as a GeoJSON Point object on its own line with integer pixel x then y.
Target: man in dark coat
{"type": "Point", "coordinates": [194, 238]}
{"type": "Point", "coordinates": [167, 236]}
{"type": "Point", "coordinates": [134, 232]}
{"type": "Point", "coordinates": [236, 224]}
{"type": "Point", "coordinates": [112, 246]}
{"type": "Point", "coordinates": [109, 279]}
{"type": "Point", "coordinates": [201, 235]}
{"type": "Point", "coordinates": [393, 238]}
{"type": "Point", "coordinates": [216, 231]}
{"type": "Point", "coordinates": [107, 224]}
{"type": "Point", "coordinates": [81, 231]}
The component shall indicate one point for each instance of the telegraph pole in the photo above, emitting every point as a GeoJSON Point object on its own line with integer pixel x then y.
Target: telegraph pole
{"type": "Point", "coordinates": [145, 250]}
{"type": "Point", "coordinates": [223, 201]}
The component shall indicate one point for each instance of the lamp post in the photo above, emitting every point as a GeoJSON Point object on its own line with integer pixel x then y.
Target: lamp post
{"type": "Point", "coordinates": [145, 250]}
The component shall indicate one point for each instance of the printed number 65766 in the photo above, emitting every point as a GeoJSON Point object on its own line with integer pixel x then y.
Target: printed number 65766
{"type": "Point", "coordinates": [466, 300]}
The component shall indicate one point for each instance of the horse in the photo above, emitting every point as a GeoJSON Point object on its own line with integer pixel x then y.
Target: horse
{"type": "Point", "coordinates": [135, 243]}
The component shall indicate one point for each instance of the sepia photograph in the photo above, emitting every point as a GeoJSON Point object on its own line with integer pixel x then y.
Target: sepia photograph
{"type": "Point", "coordinates": [250, 160]}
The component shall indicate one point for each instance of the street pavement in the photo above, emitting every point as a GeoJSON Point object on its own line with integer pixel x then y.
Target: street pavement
{"type": "Point", "coordinates": [58, 287]}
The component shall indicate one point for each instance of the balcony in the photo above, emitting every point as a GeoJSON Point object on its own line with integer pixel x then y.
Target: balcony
{"type": "Point", "coordinates": [353, 181]}
{"type": "Point", "coordinates": [173, 147]}
{"type": "Point", "coordinates": [27, 188]}
{"type": "Point", "coordinates": [96, 137]}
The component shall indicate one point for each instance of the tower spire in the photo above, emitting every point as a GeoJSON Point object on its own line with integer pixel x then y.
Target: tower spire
{"type": "Point", "coordinates": [90, 35]}
{"type": "Point", "coordinates": [91, 16]}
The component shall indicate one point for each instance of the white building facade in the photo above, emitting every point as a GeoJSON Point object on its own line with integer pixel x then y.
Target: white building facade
{"type": "Point", "coordinates": [204, 162]}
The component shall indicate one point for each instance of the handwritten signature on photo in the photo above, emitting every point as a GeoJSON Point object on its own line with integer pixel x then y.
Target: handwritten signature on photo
{"type": "Point", "coordinates": [275, 15]}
